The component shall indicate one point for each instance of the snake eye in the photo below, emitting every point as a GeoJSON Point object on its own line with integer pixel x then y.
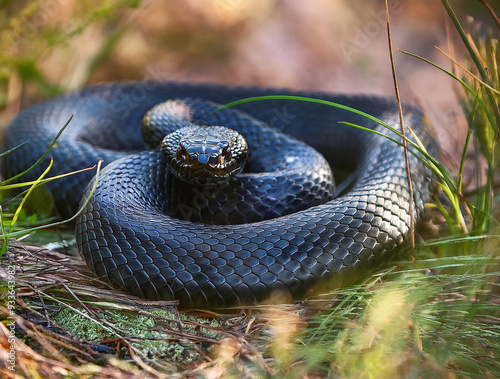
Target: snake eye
{"type": "Point", "coordinates": [182, 154]}
{"type": "Point", "coordinates": [226, 153]}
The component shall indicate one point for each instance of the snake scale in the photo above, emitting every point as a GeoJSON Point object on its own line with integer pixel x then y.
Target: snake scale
{"type": "Point", "coordinates": [125, 235]}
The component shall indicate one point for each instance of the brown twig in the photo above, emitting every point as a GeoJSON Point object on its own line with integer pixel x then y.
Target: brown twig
{"type": "Point", "coordinates": [401, 120]}
{"type": "Point", "coordinates": [139, 362]}
{"type": "Point", "coordinates": [178, 320]}
{"type": "Point", "coordinates": [73, 295]}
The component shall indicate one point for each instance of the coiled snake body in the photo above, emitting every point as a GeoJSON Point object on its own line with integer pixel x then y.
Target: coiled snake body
{"type": "Point", "coordinates": [126, 234]}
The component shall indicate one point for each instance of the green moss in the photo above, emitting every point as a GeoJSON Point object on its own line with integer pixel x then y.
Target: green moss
{"type": "Point", "coordinates": [148, 334]}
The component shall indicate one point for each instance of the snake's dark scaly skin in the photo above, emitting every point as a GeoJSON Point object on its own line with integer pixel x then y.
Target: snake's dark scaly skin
{"type": "Point", "coordinates": [282, 175]}
{"type": "Point", "coordinates": [124, 236]}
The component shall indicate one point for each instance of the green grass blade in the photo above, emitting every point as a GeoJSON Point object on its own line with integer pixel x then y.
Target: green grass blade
{"type": "Point", "coordinates": [11, 150]}
{"type": "Point", "coordinates": [45, 180]}
{"type": "Point", "coordinates": [458, 239]}
{"type": "Point", "coordinates": [18, 210]}
{"type": "Point", "coordinates": [434, 165]}
{"type": "Point", "coordinates": [465, 85]}
{"type": "Point", "coordinates": [25, 198]}
{"type": "Point", "coordinates": [41, 158]}
{"type": "Point", "coordinates": [80, 210]}
{"type": "Point", "coordinates": [310, 100]}
{"type": "Point", "coordinates": [372, 131]}
{"type": "Point", "coordinates": [475, 58]}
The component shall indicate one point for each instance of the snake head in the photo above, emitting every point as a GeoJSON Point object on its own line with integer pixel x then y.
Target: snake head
{"type": "Point", "coordinates": [204, 155]}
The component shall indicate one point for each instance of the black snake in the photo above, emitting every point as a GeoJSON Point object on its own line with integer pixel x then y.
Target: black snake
{"type": "Point", "coordinates": [130, 233]}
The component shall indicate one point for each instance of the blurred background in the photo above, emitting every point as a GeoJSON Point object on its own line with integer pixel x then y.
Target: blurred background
{"type": "Point", "coordinates": [52, 46]}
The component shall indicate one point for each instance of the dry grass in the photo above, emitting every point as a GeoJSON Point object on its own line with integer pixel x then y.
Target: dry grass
{"type": "Point", "coordinates": [414, 319]}
{"type": "Point", "coordinates": [49, 283]}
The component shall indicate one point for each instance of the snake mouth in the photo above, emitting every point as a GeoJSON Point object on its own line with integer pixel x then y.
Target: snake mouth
{"type": "Point", "coordinates": [204, 176]}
